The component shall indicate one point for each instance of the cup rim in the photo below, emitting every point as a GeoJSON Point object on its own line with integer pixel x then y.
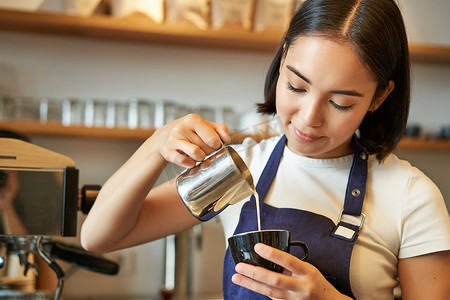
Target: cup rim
{"type": "Point", "coordinates": [257, 231]}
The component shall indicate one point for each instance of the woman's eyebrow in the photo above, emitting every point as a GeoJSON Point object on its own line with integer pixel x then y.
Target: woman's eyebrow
{"type": "Point", "coordinates": [340, 92]}
{"type": "Point", "coordinates": [296, 72]}
{"type": "Point", "coordinates": [348, 93]}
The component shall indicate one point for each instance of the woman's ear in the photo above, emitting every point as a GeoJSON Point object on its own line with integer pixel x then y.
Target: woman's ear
{"type": "Point", "coordinates": [383, 95]}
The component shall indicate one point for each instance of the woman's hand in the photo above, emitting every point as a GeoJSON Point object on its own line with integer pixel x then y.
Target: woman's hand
{"type": "Point", "coordinates": [300, 279]}
{"type": "Point", "coordinates": [189, 139]}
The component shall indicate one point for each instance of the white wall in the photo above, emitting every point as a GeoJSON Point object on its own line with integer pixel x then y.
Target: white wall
{"type": "Point", "coordinates": [40, 65]}
{"type": "Point", "coordinates": [426, 21]}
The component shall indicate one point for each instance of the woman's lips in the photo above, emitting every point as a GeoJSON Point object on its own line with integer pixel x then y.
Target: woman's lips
{"type": "Point", "coordinates": [306, 137]}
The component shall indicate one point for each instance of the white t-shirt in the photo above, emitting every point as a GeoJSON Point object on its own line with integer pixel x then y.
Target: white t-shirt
{"type": "Point", "coordinates": [405, 212]}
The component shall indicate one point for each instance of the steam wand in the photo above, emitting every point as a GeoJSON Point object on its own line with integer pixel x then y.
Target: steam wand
{"type": "Point", "coordinates": [54, 266]}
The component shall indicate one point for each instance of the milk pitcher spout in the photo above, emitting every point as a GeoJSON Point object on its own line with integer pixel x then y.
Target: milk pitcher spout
{"type": "Point", "coordinates": [218, 181]}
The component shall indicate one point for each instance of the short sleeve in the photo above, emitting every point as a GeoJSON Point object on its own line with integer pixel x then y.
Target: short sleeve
{"type": "Point", "coordinates": [425, 219]}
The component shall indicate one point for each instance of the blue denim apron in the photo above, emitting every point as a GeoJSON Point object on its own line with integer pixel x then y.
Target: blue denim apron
{"type": "Point", "coordinates": [330, 245]}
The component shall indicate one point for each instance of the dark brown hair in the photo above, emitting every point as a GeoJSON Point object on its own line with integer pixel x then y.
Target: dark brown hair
{"type": "Point", "coordinates": [377, 31]}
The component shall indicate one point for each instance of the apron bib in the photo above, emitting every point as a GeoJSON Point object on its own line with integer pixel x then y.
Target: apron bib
{"type": "Point", "coordinates": [330, 246]}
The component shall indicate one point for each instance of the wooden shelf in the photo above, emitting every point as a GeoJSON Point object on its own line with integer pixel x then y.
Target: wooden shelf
{"type": "Point", "coordinates": [142, 29]}
{"type": "Point", "coordinates": [423, 144]}
{"type": "Point", "coordinates": [429, 53]}
{"type": "Point", "coordinates": [58, 130]}
{"type": "Point", "coordinates": [136, 28]}
{"type": "Point", "coordinates": [30, 128]}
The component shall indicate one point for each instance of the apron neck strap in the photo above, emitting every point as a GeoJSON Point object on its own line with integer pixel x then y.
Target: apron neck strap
{"type": "Point", "coordinates": [354, 195]}
{"type": "Point", "coordinates": [356, 186]}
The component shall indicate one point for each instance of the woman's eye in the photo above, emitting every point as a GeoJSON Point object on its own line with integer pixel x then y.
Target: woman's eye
{"type": "Point", "coordinates": [340, 107]}
{"type": "Point", "coordinates": [294, 89]}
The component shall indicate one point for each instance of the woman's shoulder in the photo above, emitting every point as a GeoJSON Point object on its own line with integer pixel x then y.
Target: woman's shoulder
{"type": "Point", "coordinates": [402, 175]}
{"type": "Point", "coordinates": [391, 165]}
{"type": "Point", "coordinates": [414, 197]}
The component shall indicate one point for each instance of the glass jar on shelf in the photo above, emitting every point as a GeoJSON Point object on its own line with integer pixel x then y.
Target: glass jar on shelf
{"type": "Point", "coordinates": [96, 113]}
{"type": "Point", "coordinates": [206, 112]}
{"type": "Point", "coordinates": [141, 113]}
{"type": "Point", "coordinates": [73, 110]}
{"type": "Point", "coordinates": [21, 108]}
{"type": "Point", "coordinates": [50, 110]}
{"type": "Point", "coordinates": [8, 108]}
{"type": "Point", "coordinates": [165, 112]}
{"type": "Point", "coordinates": [227, 116]}
{"type": "Point", "coordinates": [120, 113]}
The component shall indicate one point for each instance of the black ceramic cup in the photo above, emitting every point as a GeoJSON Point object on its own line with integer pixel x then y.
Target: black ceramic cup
{"type": "Point", "coordinates": [242, 247]}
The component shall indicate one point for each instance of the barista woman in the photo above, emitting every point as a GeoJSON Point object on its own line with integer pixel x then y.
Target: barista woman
{"type": "Point", "coordinates": [340, 85]}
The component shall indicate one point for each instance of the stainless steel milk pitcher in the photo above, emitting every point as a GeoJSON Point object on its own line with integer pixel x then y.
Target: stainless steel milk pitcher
{"type": "Point", "coordinates": [213, 184]}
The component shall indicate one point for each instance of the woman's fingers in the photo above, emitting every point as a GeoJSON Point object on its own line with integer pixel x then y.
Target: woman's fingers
{"type": "Point", "coordinates": [284, 259]}
{"type": "Point", "coordinates": [222, 131]}
{"type": "Point", "coordinates": [278, 284]}
{"type": "Point", "coordinates": [259, 280]}
{"type": "Point", "coordinates": [201, 138]}
{"type": "Point", "coordinates": [190, 139]}
{"type": "Point", "coordinates": [211, 133]}
{"type": "Point", "coordinates": [271, 283]}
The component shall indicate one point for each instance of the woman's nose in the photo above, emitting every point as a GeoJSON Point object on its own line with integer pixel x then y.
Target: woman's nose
{"type": "Point", "coordinates": [311, 113]}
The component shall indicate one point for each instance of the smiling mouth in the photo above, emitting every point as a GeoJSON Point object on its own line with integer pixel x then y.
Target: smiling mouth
{"type": "Point", "coordinates": [306, 137]}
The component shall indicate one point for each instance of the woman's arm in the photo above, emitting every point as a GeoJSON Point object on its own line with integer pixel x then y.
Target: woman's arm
{"type": "Point", "coordinates": [425, 277]}
{"type": "Point", "coordinates": [128, 211]}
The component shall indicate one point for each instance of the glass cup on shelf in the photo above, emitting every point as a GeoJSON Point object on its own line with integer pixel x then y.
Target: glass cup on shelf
{"type": "Point", "coordinates": [27, 108]}
{"type": "Point", "coordinates": [8, 108]}
{"type": "Point", "coordinates": [141, 113]}
{"type": "Point", "coordinates": [165, 112]}
{"type": "Point", "coordinates": [120, 113]}
{"type": "Point", "coordinates": [183, 110]}
{"type": "Point", "coordinates": [110, 120]}
{"type": "Point", "coordinates": [50, 110]}
{"type": "Point", "coordinates": [227, 116]}
{"type": "Point", "coordinates": [95, 113]}
{"type": "Point", "coordinates": [73, 110]}
{"type": "Point", "coordinates": [206, 112]}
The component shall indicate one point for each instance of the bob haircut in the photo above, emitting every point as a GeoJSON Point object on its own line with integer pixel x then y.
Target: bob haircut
{"type": "Point", "coordinates": [377, 32]}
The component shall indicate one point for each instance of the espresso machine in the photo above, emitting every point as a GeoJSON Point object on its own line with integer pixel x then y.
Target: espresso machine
{"type": "Point", "coordinates": [39, 202]}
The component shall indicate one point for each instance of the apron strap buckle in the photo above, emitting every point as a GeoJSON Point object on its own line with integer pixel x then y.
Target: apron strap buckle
{"type": "Point", "coordinates": [346, 231]}
{"type": "Point", "coordinates": [363, 218]}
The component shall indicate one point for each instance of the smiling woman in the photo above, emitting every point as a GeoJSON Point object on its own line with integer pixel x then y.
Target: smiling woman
{"type": "Point", "coordinates": [363, 25]}
{"type": "Point", "coordinates": [323, 93]}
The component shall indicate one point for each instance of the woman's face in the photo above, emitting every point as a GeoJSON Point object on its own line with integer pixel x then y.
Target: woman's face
{"type": "Point", "coordinates": [323, 94]}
